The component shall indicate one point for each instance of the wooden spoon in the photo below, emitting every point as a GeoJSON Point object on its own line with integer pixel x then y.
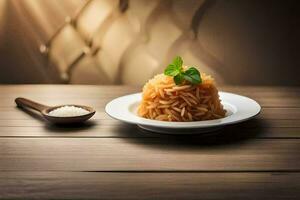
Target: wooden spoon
{"type": "Point", "coordinates": [44, 110]}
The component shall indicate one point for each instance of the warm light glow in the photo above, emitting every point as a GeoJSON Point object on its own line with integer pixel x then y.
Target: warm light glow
{"type": "Point", "coordinates": [3, 4]}
{"type": "Point", "coordinates": [93, 16]}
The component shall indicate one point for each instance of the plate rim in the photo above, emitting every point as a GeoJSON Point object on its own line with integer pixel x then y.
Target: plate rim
{"type": "Point", "coordinates": [183, 125]}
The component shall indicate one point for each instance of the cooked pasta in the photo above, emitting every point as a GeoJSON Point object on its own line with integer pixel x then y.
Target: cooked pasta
{"type": "Point", "coordinates": [164, 100]}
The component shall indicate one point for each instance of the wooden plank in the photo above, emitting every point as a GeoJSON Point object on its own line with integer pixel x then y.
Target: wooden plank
{"type": "Point", "coordinates": [97, 96]}
{"type": "Point", "coordinates": [65, 91]}
{"type": "Point", "coordinates": [31, 124]}
{"type": "Point", "coordinates": [279, 113]}
{"type": "Point", "coordinates": [100, 101]}
{"type": "Point", "coordinates": [122, 130]}
{"type": "Point", "coordinates": [276, 123]}
{"type": "Point", "coordinates": [282, 92]}
{"type": "Point", "coordinates": [97, 185]}
{"type": "Point", "coordinates": [266, 113]}
{"type": "Point", "coordinates": [18, 123]}
{"type": "Point", "coordinates": [265, 123]}
{"type": "Point", "coordinates": [148, 154]}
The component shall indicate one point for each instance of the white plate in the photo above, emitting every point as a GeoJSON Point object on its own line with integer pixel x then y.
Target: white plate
{"type": "Point", "coordinates": [239, 108]}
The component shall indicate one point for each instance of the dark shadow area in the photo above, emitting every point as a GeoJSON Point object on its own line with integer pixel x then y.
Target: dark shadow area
{"type": "Point", "coordinates": [200, 13]}
{"type": "Point", "coordinates": [226, 136]}
{"type": "Point", "coordinates": [69, 128]}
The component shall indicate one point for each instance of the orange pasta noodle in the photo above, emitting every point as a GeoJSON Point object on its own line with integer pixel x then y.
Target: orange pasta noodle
{"type": "Point", "coordinates": [164, 100]}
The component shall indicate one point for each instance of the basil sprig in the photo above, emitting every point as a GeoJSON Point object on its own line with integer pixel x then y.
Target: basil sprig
{"type": "Point", "coordinates": [176, 70]}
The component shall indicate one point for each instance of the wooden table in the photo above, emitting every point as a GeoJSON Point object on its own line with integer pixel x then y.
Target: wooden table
{"type": "Point", "coordinates": [106, 159]}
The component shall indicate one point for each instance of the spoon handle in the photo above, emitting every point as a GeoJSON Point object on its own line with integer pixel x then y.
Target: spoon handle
{"type": "Point", "coordinates": [22, 102]}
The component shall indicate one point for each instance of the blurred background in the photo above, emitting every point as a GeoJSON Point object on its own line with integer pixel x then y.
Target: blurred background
{"type": "Point", "coordinates": [249, 42]}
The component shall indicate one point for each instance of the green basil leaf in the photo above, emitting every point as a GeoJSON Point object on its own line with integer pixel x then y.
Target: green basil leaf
{"type": "Point", "coordinates": [192, 75]}
{"type": "Point", "coordinates": [178, 62]}
{"type": "Point", "coordinates": [176, 70]}
{"type": "Point", "coordinates": [171, 70]}
{"type": "Point", "coordinates": [178, 79]}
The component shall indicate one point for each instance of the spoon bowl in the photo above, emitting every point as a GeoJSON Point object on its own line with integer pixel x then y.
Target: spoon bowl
{"type": "Point", "coordinates": [45, 110]}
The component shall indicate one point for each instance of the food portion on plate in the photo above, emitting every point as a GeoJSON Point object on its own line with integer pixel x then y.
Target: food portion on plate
{"type": "Point", "coordinates": [181, 94]}
{"type": "Point", "coordinates": [182, 101]}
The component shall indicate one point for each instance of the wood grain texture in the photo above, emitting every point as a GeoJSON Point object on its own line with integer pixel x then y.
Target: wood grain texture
{"type": "Point", "coordinates": [148, 154]}
{"type": "Point", "coordinates": [11, 113]}
{"type": "Point", "coordinates": [99, 185]}
{"type": "Point", "coordinates": [107, 159]}
{"type": "Point", "coordinates": [274, 121]}
{"type": "Point", "coordinates": [19, 123]}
